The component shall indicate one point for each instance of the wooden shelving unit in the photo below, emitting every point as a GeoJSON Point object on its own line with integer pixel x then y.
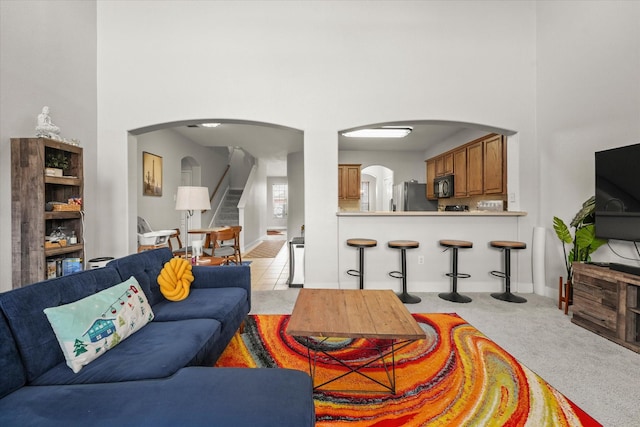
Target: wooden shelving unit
{"type": "Point", "coordinates": [31, 190]}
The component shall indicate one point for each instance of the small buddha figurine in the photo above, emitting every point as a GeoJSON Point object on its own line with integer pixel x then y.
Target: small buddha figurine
{"type": "Point", "coordinates": [45, 127]}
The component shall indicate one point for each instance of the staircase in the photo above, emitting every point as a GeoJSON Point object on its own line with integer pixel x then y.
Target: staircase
{"type": "Point", "coordinates": [228, 213]}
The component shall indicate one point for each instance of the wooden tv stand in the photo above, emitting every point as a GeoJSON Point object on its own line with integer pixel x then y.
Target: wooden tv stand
{"type": "Point", "coordinates": [607, 302]}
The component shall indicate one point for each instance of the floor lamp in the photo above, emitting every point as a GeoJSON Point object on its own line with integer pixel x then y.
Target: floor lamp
{"type": "Point", "coordinates": [189, 199]}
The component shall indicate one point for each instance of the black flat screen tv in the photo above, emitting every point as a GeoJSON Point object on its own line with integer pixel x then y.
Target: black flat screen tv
{"type": "Point", "coordinates": [617, 214]}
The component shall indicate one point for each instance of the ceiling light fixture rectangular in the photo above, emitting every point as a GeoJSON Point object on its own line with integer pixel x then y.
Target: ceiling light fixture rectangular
{"type": "Point", "coordinates": [383, 132]}
{"type": "Point", "coordinates": [210, 125]}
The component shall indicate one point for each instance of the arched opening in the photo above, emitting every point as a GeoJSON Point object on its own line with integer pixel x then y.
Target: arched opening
{"type": "Point", "coordinates": [405, 156]}
{"type": "Point", "coordinates": [235, 153]}
{"type": "Point", "coordinates": [378, 192]}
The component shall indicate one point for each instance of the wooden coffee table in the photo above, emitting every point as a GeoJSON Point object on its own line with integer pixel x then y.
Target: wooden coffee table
{"type": "Point", "coordinates": [320, 314]}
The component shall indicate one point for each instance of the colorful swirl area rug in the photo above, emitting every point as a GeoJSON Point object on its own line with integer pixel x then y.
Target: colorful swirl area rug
{"type": "Point", "coordinates": [454, 377]}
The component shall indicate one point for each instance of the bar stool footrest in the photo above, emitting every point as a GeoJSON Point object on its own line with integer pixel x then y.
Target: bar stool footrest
{"type": "Point", "coordinates": [396, 274]}
{"type": "Point", "coordinates": [355, 273]}
{"type": "Point", "coordinates": [500, 274]}
{"type": "Point", "coordinates": [458, 275]}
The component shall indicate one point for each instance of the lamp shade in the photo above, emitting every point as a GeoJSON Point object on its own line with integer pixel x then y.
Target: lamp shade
{"type": "Point", "coordinates": [192, 198]}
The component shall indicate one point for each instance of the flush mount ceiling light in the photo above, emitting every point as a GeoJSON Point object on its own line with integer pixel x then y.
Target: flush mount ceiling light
{"type": "Point", "coordinates": [210, 125]}
{"type": "Point", "coordinates": [383, 132]}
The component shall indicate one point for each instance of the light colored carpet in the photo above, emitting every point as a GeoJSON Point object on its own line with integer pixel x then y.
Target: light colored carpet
{"type": "Point", "coordinates": [601, 377]}
{"type": "Point", "coordinates": [266, 249]}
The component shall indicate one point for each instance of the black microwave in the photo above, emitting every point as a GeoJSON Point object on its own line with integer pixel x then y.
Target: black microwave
{"type": "Point", "coordinates": [443, 186]}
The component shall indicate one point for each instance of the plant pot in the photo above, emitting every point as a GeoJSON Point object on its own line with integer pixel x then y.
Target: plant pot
{"type": "Point", "coordinates": [52, 172]}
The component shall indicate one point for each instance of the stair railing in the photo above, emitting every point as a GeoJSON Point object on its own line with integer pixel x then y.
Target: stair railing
{"type": "Point", "coordinates": [219, 184]}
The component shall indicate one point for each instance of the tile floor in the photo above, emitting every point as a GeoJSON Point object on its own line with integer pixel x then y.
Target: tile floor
{"type": "Point", "coordinates": [268, 274]}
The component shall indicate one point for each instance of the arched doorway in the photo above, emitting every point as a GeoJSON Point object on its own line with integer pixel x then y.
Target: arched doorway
{"type": "Point", "coordinates": [192, 151]}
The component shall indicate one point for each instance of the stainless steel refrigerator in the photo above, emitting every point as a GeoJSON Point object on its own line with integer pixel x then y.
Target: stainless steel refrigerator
{"type": "Point", "coordinates": [412, 196]}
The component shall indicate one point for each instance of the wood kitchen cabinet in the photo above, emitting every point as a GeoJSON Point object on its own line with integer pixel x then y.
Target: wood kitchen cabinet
{"type": "Point", "coordinates": [444, 164]}
{"type": "Point", "coordinates": [494, 165]}
{"type": "Point", "coordinates": [607, 302]}
{"type": "Point", "coordinates": [431, 176]}
{"type": "Point", "coordinates": [479, 167]}
{"type": "Point", "coordinates": [460, 172]}
{"type": "Point", "coordinates": [475, 168]}
{"type": "Point", "coordinates": [349, 182]}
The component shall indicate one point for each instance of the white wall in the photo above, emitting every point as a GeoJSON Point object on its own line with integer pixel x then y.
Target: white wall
{"type": "Point", "coordinates": [588, 88]}
{"type": "Point", "coordinates": [241, 163]}
{"type": "Point", "coordinates": [563, 75]}
{"type": "Point", "coordinates": [314, 66]}
{"type": "Point", "coordinates": [48, 57]}
{"type": "Point", "coordinates": [252, 207]}
{"type": "Point", "coordinates": [160, 212]}
{"type": "Point", "coordinates": [406, 165]}
{"type": "Point", "coordinates": [295, 177]}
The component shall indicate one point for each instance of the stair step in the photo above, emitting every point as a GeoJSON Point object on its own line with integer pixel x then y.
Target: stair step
{"type": "Point", "coordinates": [228, 213]}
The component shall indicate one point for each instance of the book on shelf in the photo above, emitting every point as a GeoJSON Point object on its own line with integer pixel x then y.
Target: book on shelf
{"type": "Point", "coordinates": [63, 266]}
{"type": "Point", "coordinates": [71, 265]}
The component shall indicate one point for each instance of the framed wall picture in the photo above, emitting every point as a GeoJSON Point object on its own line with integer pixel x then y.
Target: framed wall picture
{"type": "Point", "coordinates": [151, 175]}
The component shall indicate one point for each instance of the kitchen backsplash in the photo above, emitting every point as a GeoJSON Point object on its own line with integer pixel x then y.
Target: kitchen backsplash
{"type": "Point", "coordinates": [473, 201]}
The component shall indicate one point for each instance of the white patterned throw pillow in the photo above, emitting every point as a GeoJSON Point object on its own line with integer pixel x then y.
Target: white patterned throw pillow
{"type": "Point", "coordinates": [88, 328]}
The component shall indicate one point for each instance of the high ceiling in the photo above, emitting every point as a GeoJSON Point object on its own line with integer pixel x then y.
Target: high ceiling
{"type": "Point", "coordinates": [421, 137]}
{"type": "Point", "coordinates": [266, 142]}
{"type": "Point", "coordinates": [271, 144]}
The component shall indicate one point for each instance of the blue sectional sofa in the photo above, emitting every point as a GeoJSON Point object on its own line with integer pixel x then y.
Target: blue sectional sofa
{"type": "Point", "coordinates": [161, 375]}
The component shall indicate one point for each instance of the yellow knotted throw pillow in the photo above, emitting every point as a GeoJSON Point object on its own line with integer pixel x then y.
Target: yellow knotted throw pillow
{"type": "Point", "coordinates": [175, 279]}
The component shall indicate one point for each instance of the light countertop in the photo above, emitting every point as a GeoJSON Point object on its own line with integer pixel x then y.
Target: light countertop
{"type": "Point", "coordinates": [431, 213]}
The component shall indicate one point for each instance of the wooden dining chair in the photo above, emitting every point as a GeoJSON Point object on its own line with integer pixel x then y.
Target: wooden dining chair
{"type": "Point", "coordinates": [223, 245]}
{"type": "Point", "coordinates": [236, 244]}
{"type": "Point", "coordinates": [180, 250]}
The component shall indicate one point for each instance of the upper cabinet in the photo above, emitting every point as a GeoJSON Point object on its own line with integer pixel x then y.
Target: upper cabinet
{"type": "Point", "coordinates": [460, 168]}
{"type": "Point", "coordinates": [349, 182]}
{"type": "Point", "coordinates": [494, 165]}
{"type": "Point", "coordinates": [431, 175]}
{"type": "Point", "coordinates": [479, 167]}
{"type": "Point", "coordinates": [444, 164]}
{"type": "Point", "coordinates": [475, 168]}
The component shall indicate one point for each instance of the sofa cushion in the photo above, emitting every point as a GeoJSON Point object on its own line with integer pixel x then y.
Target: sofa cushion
{"type": "Point", "coordinates": [145, 267]}
{"type": "Point", "coordinates": [86, 329]}
{"type": "Point", "coordinates": [12, 377]}
{"type": "Point", "coordinates": [158, 350]}
{"type": "Point", "coordinates": [220, 304]}
{"type": "Point", "coordinates": [227, 305]}
{"type": "Point", "coordinates": [31, 330]}
{"type": "Point", "coordinates": [223, 397]}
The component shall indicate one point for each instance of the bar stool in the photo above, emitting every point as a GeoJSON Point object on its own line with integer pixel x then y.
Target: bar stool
{"type": "Point", "coordinates": [454, 245]}
{"type": "Point", "coordinates": [506, 246]}
{"type": "Point", "coordinates": [403, 245]}
{"type": "Point", "coordinates": [360, 244]}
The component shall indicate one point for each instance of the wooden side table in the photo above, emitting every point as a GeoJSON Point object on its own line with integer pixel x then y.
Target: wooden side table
{"type": "Point", "coordinates": [210, 261]}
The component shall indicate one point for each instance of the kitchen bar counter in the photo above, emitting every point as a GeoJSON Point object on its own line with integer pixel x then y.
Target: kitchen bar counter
{"type": "Point", "coordinates": [428, 264]}
{"type": "Point", "coordinates": [431, 213]}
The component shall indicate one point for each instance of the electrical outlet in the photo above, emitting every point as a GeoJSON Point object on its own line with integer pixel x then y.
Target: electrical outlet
{"type": "Point", "coordinates": [420, 259]}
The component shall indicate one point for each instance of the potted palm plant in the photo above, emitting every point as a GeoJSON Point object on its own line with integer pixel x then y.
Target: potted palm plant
{"type": "Point", "coordinates": [583, 243]}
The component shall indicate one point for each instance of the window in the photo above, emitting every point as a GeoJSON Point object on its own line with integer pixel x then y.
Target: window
{"type": "Point", "coordinates": [279, 197]}
{"type": "Point", "coordinates": [364, 196]}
